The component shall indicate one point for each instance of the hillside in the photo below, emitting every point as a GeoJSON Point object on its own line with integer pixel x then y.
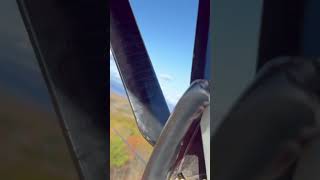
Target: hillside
{"type": "Point", "coordinates": [129, 151]}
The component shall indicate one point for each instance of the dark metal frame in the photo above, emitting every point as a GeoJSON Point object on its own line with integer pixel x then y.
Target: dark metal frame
{"type": "Point", "coordinates": [70, 41]}
{"type": "Point", "coordinates": [201, 58]}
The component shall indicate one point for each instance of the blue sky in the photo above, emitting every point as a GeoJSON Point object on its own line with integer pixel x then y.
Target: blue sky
{"type": "Point", "coordinates": [168, 31]}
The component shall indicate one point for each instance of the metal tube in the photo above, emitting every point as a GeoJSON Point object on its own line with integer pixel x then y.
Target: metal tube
{"type": "Point", "coordinates": [140, 81]}
{"type": "Point", "coordinates": [188, 110]}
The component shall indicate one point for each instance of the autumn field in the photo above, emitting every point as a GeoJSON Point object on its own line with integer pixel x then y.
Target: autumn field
{"type": "Point", "coordinates": [129, 151]}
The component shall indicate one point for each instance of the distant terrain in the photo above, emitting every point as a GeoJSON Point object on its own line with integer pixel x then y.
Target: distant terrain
{"type": "Point", "coordinates": [117, 88]}
{"type": "Point", "coordinates": [129, 151]}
